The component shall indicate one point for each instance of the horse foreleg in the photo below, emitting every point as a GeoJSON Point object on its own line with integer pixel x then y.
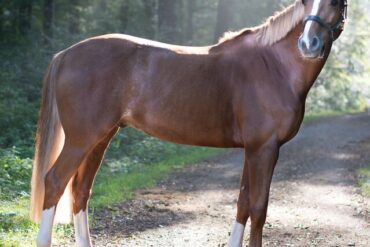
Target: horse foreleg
{"type": "Point", "coordinates": [81, 190]}
{"type": "Point", "coordinates": [261, 164]}
{"type": "Point", "coordinates": [237, 233]}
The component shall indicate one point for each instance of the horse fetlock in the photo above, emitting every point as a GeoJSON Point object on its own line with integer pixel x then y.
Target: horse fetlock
{"type": "Point", "coordinates": [43, 243]}
{"type": "Point", "coordinates": [42, 240]}
{"type": "Point", "coordinates": [236, 236]}
{"type": "Point", "coordinates": [83, 242]}
{"type": "Point", "coordinates": [80, 202]}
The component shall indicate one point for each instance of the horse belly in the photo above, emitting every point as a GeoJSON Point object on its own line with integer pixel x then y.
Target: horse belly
{"type": "Point", "coordinates": [190, 132]}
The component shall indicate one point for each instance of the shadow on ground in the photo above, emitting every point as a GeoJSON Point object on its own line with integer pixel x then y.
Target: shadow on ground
{"type": "Point", "coordinates": [136, 216]}
{"type": "Point", "coordinates": [325, 153]}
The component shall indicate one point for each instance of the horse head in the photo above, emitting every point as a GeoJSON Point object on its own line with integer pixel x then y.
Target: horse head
{"type": "Point", "coordinates": [323, 24]}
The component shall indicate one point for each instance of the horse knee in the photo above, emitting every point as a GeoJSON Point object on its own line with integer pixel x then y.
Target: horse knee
{"type": "Point", "coordinates": [258, 215]}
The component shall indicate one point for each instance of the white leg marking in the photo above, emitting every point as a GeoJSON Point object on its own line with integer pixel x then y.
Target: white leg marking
{"type": "Point", "coordinates": [46, 228]}
{"type": "Point", "coordinates": [236, 237]}
{"type": "Point", "coordinates": [314, 11]}
{"type": "Point", "coordinates": [63, 214]}
{"type": "Point", "coordinates": [82, 233]}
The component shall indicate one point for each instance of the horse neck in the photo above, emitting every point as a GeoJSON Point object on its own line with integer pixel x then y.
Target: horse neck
{"type": "Point", "coordinates": [302, 72]}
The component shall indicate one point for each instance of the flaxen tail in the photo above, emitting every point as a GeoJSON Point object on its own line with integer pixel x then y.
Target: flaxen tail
{"type": "Point", "coordinates": [49, 142]}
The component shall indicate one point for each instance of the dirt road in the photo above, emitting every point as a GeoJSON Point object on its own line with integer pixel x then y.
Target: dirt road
{"type": "Point", "coordinates": [314, 198]}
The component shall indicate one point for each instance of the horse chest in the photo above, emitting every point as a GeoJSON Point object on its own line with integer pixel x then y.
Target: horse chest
{"type": "Point", "coordinates": [288, 124]}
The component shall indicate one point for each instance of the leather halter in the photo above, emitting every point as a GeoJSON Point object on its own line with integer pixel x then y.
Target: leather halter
{"type": "Point", "coordinates": [328, 27]}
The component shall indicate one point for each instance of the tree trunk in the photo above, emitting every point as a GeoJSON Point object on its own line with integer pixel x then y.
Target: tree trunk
{"type": "Point", "coordinates": [124, 16]}
{"type": "Point", "coordinates": [74, 17]}
{"type": "Point", "coordinates": [225, 17]}
{"type": "Point", "coordinates": [189, 29]}
{"type": "Point", "coordinates": [47, 22]}
{"type": "Point", "coordinates": [1, 23]}
{"type": "Point", "coordinates": [149, 9]}
{"type": "Point", "coordinates": [25, 16]}
{"type": "Point", "coordinates": [261, 10]}
{"type": "Point", "coordinates": [168, 21]}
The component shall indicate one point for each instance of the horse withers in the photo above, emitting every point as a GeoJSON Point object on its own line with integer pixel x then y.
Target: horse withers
{"type": "Point", "coordinates": [247, 91]}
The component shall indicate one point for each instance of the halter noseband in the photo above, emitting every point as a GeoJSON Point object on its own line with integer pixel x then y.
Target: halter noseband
{"type": "Point", "coordinates": [328, 27]}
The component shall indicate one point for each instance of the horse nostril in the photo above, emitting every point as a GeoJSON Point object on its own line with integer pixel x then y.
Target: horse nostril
{"type": "Point", "coordinates": [316, 44]}
{"type": "Point", "coordinates": [301, 43]}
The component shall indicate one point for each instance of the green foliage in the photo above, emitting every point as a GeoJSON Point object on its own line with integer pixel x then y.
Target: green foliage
{"type": "Point", "coordinates": [15, 174]}
{"type": "Point", "coordinates": [21, 71]}
{"type": "Point", "coordinates": [15, 171]}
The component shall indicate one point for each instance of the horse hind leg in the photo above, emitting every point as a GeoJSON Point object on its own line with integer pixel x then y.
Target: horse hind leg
{"type": "Point", "coordinates": [81, 189]}
{"type": "Point", "coordinates": [73, 153]}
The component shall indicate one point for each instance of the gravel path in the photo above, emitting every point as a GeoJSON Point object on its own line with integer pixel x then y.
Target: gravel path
{"type": "Point", "coordinates": [314, 200]}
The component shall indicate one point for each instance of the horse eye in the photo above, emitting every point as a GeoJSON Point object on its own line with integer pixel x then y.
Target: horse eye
{"type": "Point", "coordinates": [334, 2]}
{"type": "Point", "coordinates": [303, 2]}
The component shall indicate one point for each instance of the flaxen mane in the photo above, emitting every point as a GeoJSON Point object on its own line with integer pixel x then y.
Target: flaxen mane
{"type": "Point", "coordinates": [275, 27]}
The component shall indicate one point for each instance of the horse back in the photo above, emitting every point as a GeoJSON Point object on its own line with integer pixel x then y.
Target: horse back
{"type": "Point", "coordinates": [167, 91]}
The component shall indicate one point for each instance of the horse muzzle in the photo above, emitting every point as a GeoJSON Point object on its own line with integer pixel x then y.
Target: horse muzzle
{"type": "Point", "coordinates": [312, 47]}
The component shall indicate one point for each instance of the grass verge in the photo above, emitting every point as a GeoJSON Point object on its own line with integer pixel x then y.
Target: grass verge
{"type": "Point", "coordinates": [120, 187]}
{"type": "Point", "coordinates": [312, 117]}
{"type": "Point", "coordinates": [364, 180]}
{"type": "Point", "coordinates": [17, 230]}
{"type": "Point", "coordinates": [110, 188]}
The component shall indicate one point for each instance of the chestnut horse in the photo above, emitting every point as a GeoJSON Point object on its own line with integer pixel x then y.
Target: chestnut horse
{"type": "Point", "coordinates": [248, 91]}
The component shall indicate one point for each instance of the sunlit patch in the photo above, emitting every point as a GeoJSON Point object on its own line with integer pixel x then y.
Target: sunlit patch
{"type": "Point", "coordinates": [345, 156]}
{"type": "Point", "coordinates": [322, 205]}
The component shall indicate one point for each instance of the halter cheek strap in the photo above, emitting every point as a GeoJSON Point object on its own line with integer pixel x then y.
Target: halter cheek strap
{"type": "Point", "coordinates": [331, 29]}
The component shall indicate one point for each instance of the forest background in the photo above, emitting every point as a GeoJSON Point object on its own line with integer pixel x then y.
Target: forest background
{"type": "Point", "coordinates": [31, 31]}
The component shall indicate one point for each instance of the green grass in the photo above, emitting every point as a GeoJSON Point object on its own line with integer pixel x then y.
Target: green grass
{"type": "Point", "coordinates": [15, 227]}
{"type": "Point", "coordinates": [312, 117]}
{"type": "Point", "coordinates": [120, 187]}
{"type": "Point", "coordinates": [364, 180]}
{"type": "Point", "coordinates": [110, 188]}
